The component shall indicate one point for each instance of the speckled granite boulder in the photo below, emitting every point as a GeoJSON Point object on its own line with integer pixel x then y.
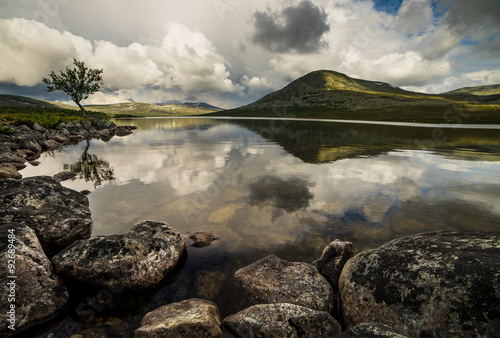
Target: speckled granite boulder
{"type": "Point", "coordinates": [188, 318]}
{"type": "Point", "coordinates": [59, 216]}
{"type": "Point", "coordinates": [371, 330]}
{"type": "Point", "coordinates": [36, 292]}
{"type": "Point", "coordinates": [434, 285]}
{"type": "Point", "coordinates": [138, 258]}
{"type": "Point", "coordinates": [281, 320]}
{"type": "Point", "coordinates": [333, 259]}
{"type": "Point", "coordinates": [274, 280]}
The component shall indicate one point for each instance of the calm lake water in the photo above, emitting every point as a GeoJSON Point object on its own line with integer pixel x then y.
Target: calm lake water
{"type": "Point", "coordinates": [272, 186]}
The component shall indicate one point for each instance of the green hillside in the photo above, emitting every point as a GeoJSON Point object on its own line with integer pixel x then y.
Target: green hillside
{"type": "Point", "coordinates": [333, 95]}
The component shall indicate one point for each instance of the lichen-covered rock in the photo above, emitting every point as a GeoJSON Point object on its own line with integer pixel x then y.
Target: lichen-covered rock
{"type": "Point", "coordinates": [202, 238]}
{"type": "Point", "coordinates": [333, 259]}
{"type": "Point", "coordinates": [371, 330]}
{"type": "Point", "coordinates": [274, 280]}
{"type": "Point", "coordinates": [59, 216]}
{"type": "Point", "coordinates": [138, 258]}
{"type": "Point", "coordinates": [36, 292]}
{"type": "Point", "coordinates": [188, 318]}
{"type": "Point", "coordinates": [434, 284]}
{"type": "Point", "coordinates": [281, 320]}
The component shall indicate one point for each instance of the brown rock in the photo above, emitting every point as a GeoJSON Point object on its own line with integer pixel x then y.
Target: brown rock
{"type": "Point", "coordinates": [9, 173]}
{"type": "Point", "coordinates": [333, 259]}
{"type": "Point", "coordinates": [202, 239]}
{"type": "Point", "coordinates": [189, 318]}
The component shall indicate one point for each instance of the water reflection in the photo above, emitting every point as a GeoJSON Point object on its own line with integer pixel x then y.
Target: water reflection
{"type": "Point", "coordinates": [286, 187]}
{"type": "Point", "coordinates": [91, 168]}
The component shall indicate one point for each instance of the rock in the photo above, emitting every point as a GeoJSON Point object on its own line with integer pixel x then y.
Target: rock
{"type": "Point", "coordinates": [93, 332]}
{"type": "Point", "coordinates": [34, 163]}
{"type": "Point", "coordinates": [138, 258]}
{"type": "Point", "coordinates": [39, 294]}
{"type": "Point", "coordinates": [202, 239]}
{"type": "Point", "coordinates": [11, 158]}
{"type": "Point", "coordinates": [434, 284]}
{"type": "Point", "coordinates": [333, 259]}
{"type": "Point", "coordinates": [273, 280]}
{"type": "Point", "coordinates": [50, 145]}
{"type": "Point", "coordinates": [27, 154]}
{"type": "Point", "coordinates": [64, 176]}
{"type": "Point", "coordinates": [189, 318]}
{"type": "Point", "coordinates": [122, 131]}
{"type": "Point", "coordinates": [371, 330]}
{"type": "Point", "coordinates": [224, 214]}
{"type": "Point", "coordinates": [282, 320]}
{"type": "Point", "coordinates": [59, 216]}
{"type": "Point", "coordinates": [9, 173]}
{"type": "Point", "coordinates": [103, 124]}
{"type": "Point", "coordinates": [227, 239]}
{"type": "Point", "coordinates": [209, 283]}
{"type": "Point", "coordinates": [39, 128]}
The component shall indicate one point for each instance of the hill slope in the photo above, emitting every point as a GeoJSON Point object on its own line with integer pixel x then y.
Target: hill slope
{"type": "Point", "coordinates": [329, 94]}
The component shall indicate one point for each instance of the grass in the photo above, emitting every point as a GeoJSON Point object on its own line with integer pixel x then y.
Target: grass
{"type": "Point", "coordinates": [47, 117]}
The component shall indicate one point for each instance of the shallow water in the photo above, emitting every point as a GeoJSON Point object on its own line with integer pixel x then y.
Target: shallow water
{"type": "Point", "coordinates": [273, 186]}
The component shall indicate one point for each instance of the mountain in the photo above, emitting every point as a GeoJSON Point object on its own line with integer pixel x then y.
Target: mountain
{"type": "Point", "coordinates": [118, 109]}
{"type": "Point", "coordinates": [329, 94]}
{"type": "Point", "coordinates": [482, 90]}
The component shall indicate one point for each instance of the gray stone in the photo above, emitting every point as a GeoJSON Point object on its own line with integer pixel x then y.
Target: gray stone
{"type": "Point", "coordinates": [9, 172]}
{"type": "Point", "coordinates": [50, 145]}
{"type": "Point", "coordinates": [138, 258]}
{"type": "Point", "coordinates": [282, 320]}
{"type": "Point", "coordinates": [123, 131]}
{"type": "Point", "coordinates": [434, 284]}
{"type": "Point", "coordinates": [273, 280]}
{"type": "Point", "coordinates": [188, 318]}
{"type": "Point", "coordinates": [371, 330]}
{"type": "Point", "coordinates": [38, 292]}
{"type": "Point", "coordinates": [333, 259]}
{"type": "Point", "coordinates": [59, 216]}
{"type": "Point", "coordinates": [64, 176]}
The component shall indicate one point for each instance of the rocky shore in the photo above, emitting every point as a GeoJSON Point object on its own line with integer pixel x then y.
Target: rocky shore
{"type": "Point", "coordinates": [438, 284]}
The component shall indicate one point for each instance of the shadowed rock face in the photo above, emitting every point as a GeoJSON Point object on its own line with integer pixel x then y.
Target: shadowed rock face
{"type": "Point", "coordinates": [59, 216]}
{"type": "Point", "coordinates": [274, 280]}
{"type": "Point", "coordinates": [139, 258]}
{"type": "Point", "coordinates": [282, 320]}
{"type": "Point", "coordinates": [371, 330]}
{"type": "Point", "coordinates": [39, 293]}
{"type": "Point", "coordinates": [332, 261]}
{"type": "Point", "coordinates": [433, 284]}
{"type": "Point", "coordinates": [189, 318]}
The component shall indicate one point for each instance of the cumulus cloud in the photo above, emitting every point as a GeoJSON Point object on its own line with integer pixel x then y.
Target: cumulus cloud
{"type": "Point", "coordinates": [183, 61]}
{"type": "Point", "coordinates": [298, 28]}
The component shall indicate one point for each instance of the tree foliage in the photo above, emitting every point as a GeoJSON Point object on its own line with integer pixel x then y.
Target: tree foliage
{"type": "Point", "coordinates": [79, 83]}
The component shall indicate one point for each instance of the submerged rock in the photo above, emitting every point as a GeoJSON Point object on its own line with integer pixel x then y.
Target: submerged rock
{"type": "Point", "coordinates": [189, 318]}
{"type": "Point", "coordinates": [274, 280]}
{"type": "Point", "coordinates": [64, 176]}
{"type": "Point", "coordinates": [202, 239]}
{"type": "Point", "coordinates": [333, 259]}
{"type": "Point", "coordinates": [138, 258]}
{"type": "Point", "coordinates": [434, 284]}
{"type": "Point", "coordinates": [282, 320]}
{"type": "Point", "coordinates": [59, 216]}
{"type": "Point", "coordinates": [371, 330]}
{"type": "Point", "coordinates": [36, 292]}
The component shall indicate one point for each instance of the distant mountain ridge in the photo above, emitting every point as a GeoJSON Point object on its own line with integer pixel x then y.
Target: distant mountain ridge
{"type": "Point", "coordinates": [330, 94]}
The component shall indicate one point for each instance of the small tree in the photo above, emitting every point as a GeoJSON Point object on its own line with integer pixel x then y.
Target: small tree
{"type": "Point", "coordinates": [79, 83]}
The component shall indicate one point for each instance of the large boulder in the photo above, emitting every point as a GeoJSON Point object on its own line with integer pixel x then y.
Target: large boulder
{"type": "Point", "coordinates": [433, 284]}
{"type": "Point", "coordinates": [333, 259]}
{"type": "Point", "coordinates": [31, 292]}
{"type": "Point", "coordinates": [274, 280]}
{"type": "Point", "coordinates": [59, 216]}
{"type": "Point", "coordinates": [281, 320]}
{"type": "Point", "coordinates": [188, 318]}
{"type": "Point", "coordinates": [371, 330]}
{"type": "Point", "coordinates": [138, 258]}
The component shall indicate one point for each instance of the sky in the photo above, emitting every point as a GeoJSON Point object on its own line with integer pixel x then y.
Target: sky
{"type": "Point", "coordinates": [230, 53]}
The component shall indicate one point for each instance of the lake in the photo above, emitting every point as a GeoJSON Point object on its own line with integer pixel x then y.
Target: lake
{"type": "Point", "coordinates": [286, 187]}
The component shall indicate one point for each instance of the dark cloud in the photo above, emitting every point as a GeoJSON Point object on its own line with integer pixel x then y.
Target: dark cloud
{"type": "Point", "coordinates": [477, 19]}
{"type": "Point", "coordinates": [298, 28]}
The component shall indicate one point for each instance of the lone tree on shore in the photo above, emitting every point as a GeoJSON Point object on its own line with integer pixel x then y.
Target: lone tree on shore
{"type": "Point", "coordinates": [79, 83]}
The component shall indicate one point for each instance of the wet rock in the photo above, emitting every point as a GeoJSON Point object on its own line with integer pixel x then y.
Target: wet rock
{"type": "Point", "coordinates": [282, 320]}
{"type": "Point", "coordinates": [138, 258]}
{"type": "Point", "coordinates": [333, 259]}
{"type": "Point", "coordinates": [273, 280]}
{"type": "Point", "coordinates": [371, 330]}
{"type": "Point", "coordinates": [11, 158]}
{"type": "Point", "coordinates": [209, 283]}
{"type": "Point", "coordinates": [59, 216]}
{"type": "Point", "coordinates": [50, 145]}
{"type": "Point", "coordinates": [189, 318]}
{"type": "Point", "coordinates": [202, 239]}
{"type": "Point", "coordinates": [93, 332]}
{"type": "Point", "coordinates": [34, 163]}
{"type": "Point", "coordinates": [123, 131]}
{"type": "Point", "coordinates": [433, 284]}
{"type": "Point", "coordinates": [37, 291]}
{"type": "Point", "coordinates": [64, 176]}
{"type": "Point", "coordinates": [39, 128]}
{"type": "Point", "coordinates": [227, 239]}
{"type": "Point", "coordinates": [103, 124]}
{"type": "Point", "coordinates": [224, 214]}
{"type": "Point", "coordinates": [9, 173]}
{"type": "Point", "coordinates": [27, 154]}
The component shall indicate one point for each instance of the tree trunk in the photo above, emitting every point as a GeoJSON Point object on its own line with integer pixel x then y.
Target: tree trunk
{"type": "Point", "coordinates": [82, 109]}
